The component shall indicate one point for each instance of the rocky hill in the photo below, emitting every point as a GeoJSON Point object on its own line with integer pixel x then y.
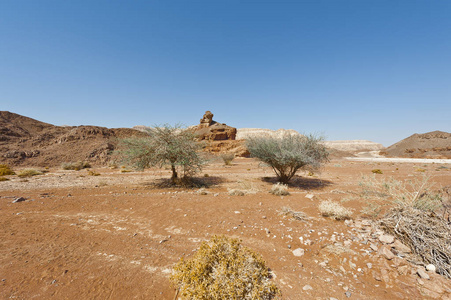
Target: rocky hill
{"type": "Point", "coordinates": [28, 142]}
{"type": "Point", "coordinates": [435, 144]}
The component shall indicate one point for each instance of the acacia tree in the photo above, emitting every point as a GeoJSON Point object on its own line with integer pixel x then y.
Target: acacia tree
{"type": "Point", "coordinates": [289, 153]}
{"type": "Point", "coordinates": [165, 145]}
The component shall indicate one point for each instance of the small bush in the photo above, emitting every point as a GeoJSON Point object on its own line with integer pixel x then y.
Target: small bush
{"type": "Point", "coordinates": [279, 189]}
{"type": "Point", "coordinates": [93, 173]}
{"type": "Point", "coordinates": [28, 173]}
{"type": "Point", "coordinates": [224, 269]}
{"type": "Point", "coordinates": [228, 158]}
{"type": "Point", "coordinates": [5, 170]}
{"type": "Point", "coordinates": [420, 170]}
{"type": "Point", "coordinates": [377, 171]}
{"type": "Point", "coordinates": [75, 165]}
{"type": "Point", "coordinates": [166, 145]}
{"type": "Point", "coordinates": [334, 210]}
{"type": "Point", "coordinates": [288, 154]}
{"type": "Point", "coordinates": [4, 179]}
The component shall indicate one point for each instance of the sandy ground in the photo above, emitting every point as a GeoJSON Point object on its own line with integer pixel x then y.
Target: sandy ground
{"type": "Point", "coordinates": [116, 236]}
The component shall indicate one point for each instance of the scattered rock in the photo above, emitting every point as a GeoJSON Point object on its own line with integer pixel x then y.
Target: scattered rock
{"type": "Point", "coordinates": [431, 268]}
{"type": "Point", "coordinates": [385, 275]}
{"type": "Point", "coordinates": [374, 247]}
{"type": "Point", "coordinates": [401, 247]}
{"type": "Point", "coordinates": [434, 286]}
{"type": "Point", "coordinates": [298, 252]}
{"type": "Point", "coordinates": [309, 196]}
{"type": "Point", "coordinates": [348, 294]}
{"type": "Point", "coordinates": [387, 238]}
{"type": "Point", "coordinates": [386, 252]}
{"type": "Point", "coordinates": [307, 287]}
{"type": "Point", "coordinates": [20, 199]}
{"type": "Point", "coordinates": [430, 294]}
{"type": "Point", "coordinates": [403, 270]}
{"type": "Point", "coordinates": [422, 273]}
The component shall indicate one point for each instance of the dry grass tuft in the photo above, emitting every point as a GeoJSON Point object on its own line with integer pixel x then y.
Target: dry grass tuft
{"type": "Point", "coordinates": [279, 189]}
{"type": "Point", "coordinates": [391, 193]}
{"type": "Point", "coordinates": [297, 215]}
{"type": "Point", "coordinates": [93, 173]}
{"type": "Point", "coordinates": [237, 192]}
{"type": "Point", "coordinates": [245, 188]}
{"type": "Point", "coordinates": [28, 173]}
{"type": "Point", "coordinates": [224, 269]}
{"type": "Point", "coordinates": [75, 165]}
{"type": "Point", "coordinates": [4, 179]}
{"type": "Point", "coordinates": [334, 210]}
{"type": "Point", "coordinates": [5, 170]}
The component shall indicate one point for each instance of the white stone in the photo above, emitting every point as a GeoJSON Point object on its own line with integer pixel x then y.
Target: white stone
{"type": "Point", "coordinates": [307, 287]}
{"type": "Point", "coordinates": [386, 238]}
{"type": "Point", "coordinates": [298, 252]}
{"type": "Point", "coordinates": [431, 268]}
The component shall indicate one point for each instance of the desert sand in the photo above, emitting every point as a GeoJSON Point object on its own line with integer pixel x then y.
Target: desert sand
{"type": "Point", "coordinates": [116, 236]}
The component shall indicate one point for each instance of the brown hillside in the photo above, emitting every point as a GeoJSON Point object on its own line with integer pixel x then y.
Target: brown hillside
{"type": "Point", "coordinates": [435, 144]}
{"type": "Point", "coordinates": [25, 141]}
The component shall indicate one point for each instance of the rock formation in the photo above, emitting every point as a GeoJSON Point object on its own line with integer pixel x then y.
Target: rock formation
{"type": "Point", "coordinates": [210, 130]}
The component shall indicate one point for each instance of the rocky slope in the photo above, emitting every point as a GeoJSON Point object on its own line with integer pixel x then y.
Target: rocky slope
{"type": "Point", "coordinates": [28, 142]}
{"type": "Point", "coordinates": [435, 144]}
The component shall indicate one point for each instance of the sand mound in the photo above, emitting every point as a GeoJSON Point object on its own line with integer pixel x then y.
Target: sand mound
{"type": "Point", "coordinates": [25, 141]}
{"type": "Point", "coordinates": [435, 144]}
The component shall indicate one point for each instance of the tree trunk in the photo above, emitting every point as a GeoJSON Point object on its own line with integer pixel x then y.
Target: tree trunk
{"type": "Point", "coordinates": [174, 174]}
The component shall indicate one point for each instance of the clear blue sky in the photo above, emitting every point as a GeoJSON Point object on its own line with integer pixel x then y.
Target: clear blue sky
{"type": "Point", "coordinates": [377, 70]}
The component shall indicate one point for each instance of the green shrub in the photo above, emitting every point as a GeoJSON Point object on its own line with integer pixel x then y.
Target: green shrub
{"type": "Point", "coordinates": [5, 170]}
{"type": "Point", "coordinates": [167, 145]}
{"type": "Point", "coordinates": [377, 171]}
{"type": "Point", "coordinates": [289, 153]}
{"type": "Point", "coordinates": [4, 179]}
{"type": "Point", "coordinates": [28, 173]}
{"type": "Point", "coordinates": [224, 269]}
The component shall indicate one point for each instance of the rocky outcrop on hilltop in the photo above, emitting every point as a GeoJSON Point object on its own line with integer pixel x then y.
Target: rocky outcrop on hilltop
{"type": "Point", "coordinates": [210, 130]}
{"type": "Point", "coordinates": [28, 142]}
{"type": "Point", "coordinates": [435, 144]}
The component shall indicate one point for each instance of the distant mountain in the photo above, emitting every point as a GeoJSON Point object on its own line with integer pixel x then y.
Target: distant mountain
{"type": "Point", "coordinates": [435, 144]}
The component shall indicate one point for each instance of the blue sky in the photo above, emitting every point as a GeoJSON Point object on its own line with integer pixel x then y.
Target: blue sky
{"type": "Point", "coordinates": [377, 70]}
